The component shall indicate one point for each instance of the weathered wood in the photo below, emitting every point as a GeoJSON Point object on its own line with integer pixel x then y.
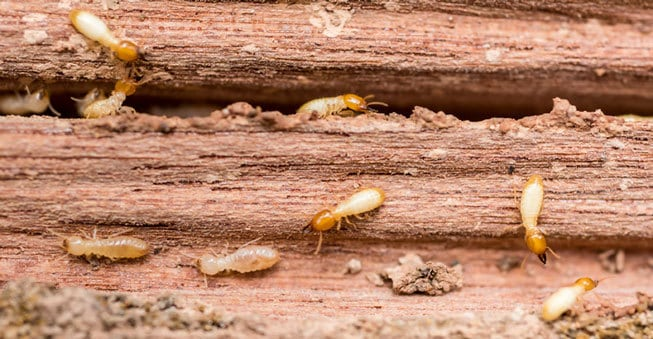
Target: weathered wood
{"type": "Point", "coordinates": [489, 57]}
{"type": "Point", "coordinates": [187, 185]}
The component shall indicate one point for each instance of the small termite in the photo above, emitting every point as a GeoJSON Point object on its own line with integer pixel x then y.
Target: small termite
{"type": "Point", "coordinates": [95, 29]}
{"type": "Point", "coordinates": [36, 102]}
{"type": "Point", "coordinates": [114, 247]}
{"type": "Point", "coordinates": [532, 199]}
{"type": "Point", "coordinates": [334, 105]}
{"type": "Point", "coordinates": [360, 202]}
{"type": "Point", "coordinates": [109, 106]}
{"type": "Point", "coordinates": [564, 298]}
{"type": "Point", "coordinates": [245, 259]}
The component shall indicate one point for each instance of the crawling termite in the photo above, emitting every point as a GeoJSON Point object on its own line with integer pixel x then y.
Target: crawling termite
{"type": "Point", "coordinates": [564, 298]}
{"type": "Point", "coordinates": [36, 102]}
{"type": "Point", "coordinates": [334, 105]}
{"type": "Point", "coordinates": [532, 199]}
{"type": "Point", "coordinates": [114, 247]}
{"type": "Point", "coordinates": [95, 29]}
{"type": "Point", "coordinates": [360, 202]}
{"type": "Point", "coordinates": [105, 107]}
{"type": "Point", "coordinates": [248, 258]}
{"type": "Point", "coordinates": [90, 97]}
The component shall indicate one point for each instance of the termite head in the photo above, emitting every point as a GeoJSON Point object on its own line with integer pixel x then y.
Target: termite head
{"type": "Point", "coordinates": [125, 86]}
{"type": "Point", "coordinates": [322, 221]}
{"type": "Point", "coordinates": [74, 245]}
{"type": "Point", "coordinates": [39, 100]}
{"type": "Point", "coordinates": [358, 104]}
{"type": "Point", "coordinates": [537, 244]}
{"type": "Point", "coordinates": [127, 51]}
{"type": "Point", "coordinates": [587, 283]}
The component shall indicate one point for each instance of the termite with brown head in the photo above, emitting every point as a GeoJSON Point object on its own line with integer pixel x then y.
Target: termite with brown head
{"type": "Point", "coordinates": [95, 29]}
{"type": "Point", "coordinates": [114, 247]}
{"type": "Point", "coordinates": [564, 298]}
{"type": "Point", "coordinates": [532, 199]}
{"type": "Point", "coordinates": [360, 202]}
{"type": "Point", "coordinates": [36, 102]}
{"type": "Point", "coordinates": [334, 105]}
{"type": "Point", "coordinates": [105, 107]}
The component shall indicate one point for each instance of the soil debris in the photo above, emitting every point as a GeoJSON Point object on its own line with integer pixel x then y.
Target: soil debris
{"type": "Point", "coordinates": [353, 266]}
{"type": "Point", "coordinates": [375, 278]}
{"type": "Point", "coordinates": [608, 321]}
{"type": "Point", "coordinates": [433, 120]}
{"type": "Point", "coordinates": [29, 309]}
{"type": "Point", "coordinates": [613, 261]}
{"type": "Point", "coordinates": [412, 275]}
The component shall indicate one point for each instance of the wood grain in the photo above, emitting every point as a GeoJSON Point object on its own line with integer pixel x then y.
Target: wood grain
{"type": "Point", "coordinates": [478, 60]}
{"type": "Point", "coordinates": [188, 185]}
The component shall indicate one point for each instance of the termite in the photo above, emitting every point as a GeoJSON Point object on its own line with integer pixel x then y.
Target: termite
{"type": "Point", "coordinates": [245, 259]}
{"type": "Point", "coordinates": [360, 202]}
{"type": "Point", "coordinates": [109, 106]}
{"type": "Point", "coordinates": [532, 199]}
{"type": "Point", "coordinates": [114, 247]}
{"type": "Point", "coordinates": [36, 102]}
{"type": "Point", "coordinates": [334, 105]}
{"type": "Point", "coordinates": [564, 298]}
{"type": "Point", "coordinates": [95, 29]}
{"type": "Point", "coordinates": [90, 97]}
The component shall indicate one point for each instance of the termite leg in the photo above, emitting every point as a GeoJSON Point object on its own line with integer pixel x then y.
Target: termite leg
{"type": "Point", "coordinates": [84, 233]}
{"type": "Point", "coordinates": [117, 233]}
{"type": "Point", "coordinates": [523, 262]}
{"type": "Point", "coordinates": [350, 223]}
{"type": "Point", "coordinates": [359, 217]}
{"type": "Point", "coordinates": [339, 225]}
{"type": "Point", "coordinates": [206, 281]}
{"type": "Point", "coordinates": [319, 245]}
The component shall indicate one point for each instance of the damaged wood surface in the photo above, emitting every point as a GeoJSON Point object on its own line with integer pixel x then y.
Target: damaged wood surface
{"type": "Point", "coordinates": [488, 57]}
{"type": "Point", "coordinates": [190, 185]}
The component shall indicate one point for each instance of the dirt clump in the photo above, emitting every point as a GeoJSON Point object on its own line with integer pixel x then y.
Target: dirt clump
{"type": "Point", "coordinates": [412, 275]}
{"type": "Point", "coordinates": [613, 261]}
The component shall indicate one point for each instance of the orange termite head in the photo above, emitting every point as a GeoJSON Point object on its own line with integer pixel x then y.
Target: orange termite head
{"type": "Point", "coordinates": [537, 244]}
{"type": "Point", "coordinates": [358, 104]}
{"type": "Point", "coordinates": [127, 51]}
{"type": "Point", "coordinates": [73, 245]}
{"type": "Point", "coordinates": [587, 283]}
{"type": "Point", "coordinates": [322, 221]}
{"type": "Point", "coordinates": [125, 86]}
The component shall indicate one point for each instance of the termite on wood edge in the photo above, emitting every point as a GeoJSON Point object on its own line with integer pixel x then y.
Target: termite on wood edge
{"type": "Point", "coordinates": [334, 105]}
{"type": "Point", "coordinates": [564, 298]}
{"type": "Point", "coordinates": [95, 29]}
{"type": "Point", "coordinates": [530, 208]}
{"type": "Point", "coordinates": [114, 247]}
{"type": "Point", "coordinates": [248, 258]}
{"type": "Point", "coordinates": [360, 202]}
{"type": "Point", "coordinates": [36, 102]}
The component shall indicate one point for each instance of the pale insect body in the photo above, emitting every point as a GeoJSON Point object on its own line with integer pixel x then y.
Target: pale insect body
{"type": "Point", "coordinates": [245, 259]}
{"type": "Point", "coordinates": [564, 298]}
{"type": "Point", "coordinates": [105, 107]}
{"type": "Point", "coordinates": [90, 97]}
{"type": "Point", "coordinates": [532, 200]}
{"type": "Point", "coordinates": [334, 105]}
{"type": "Point", "coordinates": [114, 248]}
{"type": "Point", "coordinates": [36, 102]}
{"type": "Point", "coordinates": [95, 29]}
{"type": "Point", "coordinates": [360, 202]}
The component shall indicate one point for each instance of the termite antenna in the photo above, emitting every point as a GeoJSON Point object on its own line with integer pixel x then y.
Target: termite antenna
{"type": "Point", "coordinates": [55, 233]}
{"type": "Point", "coordinates": [53, 109]}
{"type": "Point", "coordinates": [523, 262]}
{"type": "Point", "coordinates": [552, 252]}
{"type": "Point", "coordinates": [250, 242]}
{"type": "Point", "coordinates": [368, 97]}
{"type": "Point", "coordinates": [307, 229]}
{"type": "Point", "coordinates": [378, 103]}
{"type": "Point", "coordinates": [319, 245]}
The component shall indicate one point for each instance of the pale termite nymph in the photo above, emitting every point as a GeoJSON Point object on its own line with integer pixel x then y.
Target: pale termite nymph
{"type": "Point", "coordinates": [36, 102]}
{"type": "Point", "coordinates": [114, 247]}
{"type": "Point", "coordinates": [360, 202]}
{"type": "Point", "coordinates": [564, 298]}
{"type": "Point", "coordinates": [95, 29]}
{"type": "Point", "coordinates": [532, 200]}
{"type": "Point", "coordinates": [334, 105]}
{"type": "Point", "coordinates": [105, 107]}
{"type": "Point", "coordinates": [245, 259]}
{"type": "Point", "coordinates": [90, 97]}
